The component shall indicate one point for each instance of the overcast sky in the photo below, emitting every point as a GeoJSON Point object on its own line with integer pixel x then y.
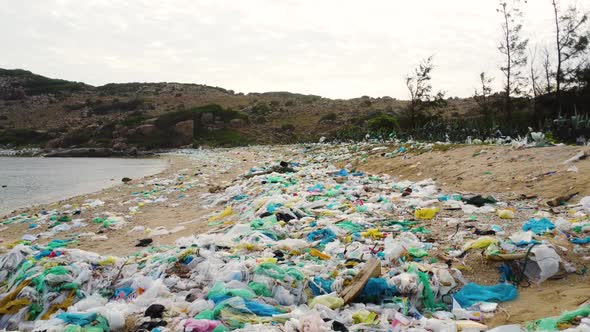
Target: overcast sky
{"type": "Point", "coordinates": [333, 48]}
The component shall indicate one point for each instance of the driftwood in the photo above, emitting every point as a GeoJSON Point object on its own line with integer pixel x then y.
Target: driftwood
{"type": "Point", "coordinates": [372, 269]}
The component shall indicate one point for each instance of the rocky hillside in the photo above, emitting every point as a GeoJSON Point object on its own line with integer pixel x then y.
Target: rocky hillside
{"type": "Point", "coordinates": [53, 113]}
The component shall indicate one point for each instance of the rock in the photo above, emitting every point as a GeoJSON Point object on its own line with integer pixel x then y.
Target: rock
{"type": "Point", "coordinates": [121, 132]}
{"type": "Point", "coordinates": [144, 242]}
{"type": "Point", "coordinates": [126, 180]}
{"type": "Point", "coordinates": [120, 146]}
{"type": "Point", "coordinates": [207, 118]}
{"type": "Point", "coordinates": [215, 189]}
{"type": "Point", "coordinates": [237, 123]}
{"type": "Point", "coordinates": [146, 129]}
{"type": "Point", "coordinates": [54, 143]}
{"type": "Point", "coordinates": [185, 130]}
{"type": "Point", "coordinates": [82, 152]}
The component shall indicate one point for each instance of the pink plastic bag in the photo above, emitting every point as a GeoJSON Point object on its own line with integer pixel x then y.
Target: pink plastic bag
{"type": "Point", "coordinates": [200, 325]}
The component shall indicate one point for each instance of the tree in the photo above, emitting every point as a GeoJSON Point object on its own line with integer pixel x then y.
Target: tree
{"type": "Point", "coordinates": [533, 74]}
{"type": "Point", "coordinates": [570, 44]}
{"type": "Point", "coordinates": [483, 98]}
{"type": "Point", "coordinates": [535, 89]}
{"type": "Point", "coordinates": [513, 47]}
{"type": "Point", "coordinates": [420, 88]}
{"type": "Point", "coordinates": [547, 71]}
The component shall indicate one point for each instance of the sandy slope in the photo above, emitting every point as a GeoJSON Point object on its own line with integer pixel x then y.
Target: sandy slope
{"type": "Point", "coordinates": [493, 169]}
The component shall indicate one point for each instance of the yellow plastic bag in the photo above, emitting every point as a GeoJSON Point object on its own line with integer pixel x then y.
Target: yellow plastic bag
{"type": "Point", "coordinates": [110, 260]}
{"type": "Point", "coordinates": [227, 212]}
{"type": "Point", "coordinates": [364, 316]}
{"type": "Point", "coordinates": [330, 301]}
{"type": "Point", "coordinates": [481, 243]}
{"type": "Point", "coordinates": [505, 214]}
{"type": "Point", "coordinates": [319, 254]}
{"type": "Point", "coordinates": [373, 233]}
{"type": "Point", "coordinates": [425, 213]}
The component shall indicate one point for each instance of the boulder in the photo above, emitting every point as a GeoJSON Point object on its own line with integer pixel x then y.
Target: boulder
{"type": "Point", "coordinates": [237, 123]}
{"type": "Point", "coordinates": [82, 152]}
{"type": "Point", "coordinates": [120, 146]}
{"type": "Point", "coordinates": [185, 130]}
{"type": "Point", "coordinates": [207, 118]}
{"type": "Point", "coordinates": [146, 129]}
{"type": "Point", "coordinates": [54, 143]}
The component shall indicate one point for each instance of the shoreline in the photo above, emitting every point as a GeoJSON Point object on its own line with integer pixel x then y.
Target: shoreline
{"type": "Point", "coordinates": [159, 203]}
{"type": "Point", "coordinates": [115, 183]}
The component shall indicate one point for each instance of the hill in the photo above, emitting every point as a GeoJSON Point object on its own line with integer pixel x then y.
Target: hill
{"type": "Point", "coordinates": [55, 113]}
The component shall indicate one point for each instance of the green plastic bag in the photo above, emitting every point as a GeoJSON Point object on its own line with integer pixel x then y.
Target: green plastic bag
{"type": "Point", "coordinates": [271, 270]}
{"type": "Point", "coordinates": [350, 226]}
{"type": "Point", "coordinates": [415, 252]}
{"type": "Point", "coordinates": [550, 323]}
{"type": "Point", "coordinates": [428, 295]}
{"type": "Point", "coordinates": [219, 290]}
{"type": "Point", "coordinates": [260, 289]}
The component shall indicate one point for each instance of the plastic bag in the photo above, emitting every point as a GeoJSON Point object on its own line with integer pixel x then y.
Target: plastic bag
{"type": "Point", "coordinates": [538, 226]}
{"type": "Point", "coordinates": [543, 263]}
{"type": "Point", "coordinates": [481, 243]}
{"type": "Point", "coordinates": [505, 214]}
{"type": "Point", "coordinates": [473, 293]}
{"type": "Point", "coordinates": [329, 300]}
{"type": "Point", "coordinates": [200, 325]}
{"type": "Point", "coordinates": [425, 213]}
{"type": "Point", "coordinates": [550, 324]}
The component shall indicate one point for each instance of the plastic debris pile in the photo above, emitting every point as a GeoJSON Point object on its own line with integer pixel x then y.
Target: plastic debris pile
{"type": "Point", "coordinates": [313, 248]}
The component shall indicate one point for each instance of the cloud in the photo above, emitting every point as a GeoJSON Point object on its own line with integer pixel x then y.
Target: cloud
{"type": "Point", "coordinates": [333, 48]}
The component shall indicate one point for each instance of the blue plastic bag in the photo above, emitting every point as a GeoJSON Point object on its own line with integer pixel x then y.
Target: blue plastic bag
{"type": "Point", "coordinates": [80, 319]}
{"type": "Point", "coordinates": [376, 290]}
{"type": "Point", "coordinates": [325, 235]}
{"type": "Point", "coordinates": [538, 226]}
{"type": "Point", "coordinates": [473, 293]}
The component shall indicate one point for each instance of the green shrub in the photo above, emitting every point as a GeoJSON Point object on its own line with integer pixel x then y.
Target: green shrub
{"type": "Point", "coordinates": [119, 106]}
{"type": "Point", "coordinates": [329, 117]}
{"type": "Point", "coordinates": [222, 138]}
{"type": "Point", "coordinates": [261, 109]}
{"type": "Point", "coordinates": [382, 124]}
{"type": "Point", "coordinates": [288, 127]}
{"type": "Point", "coordinates": [23, 137]}
{"type": "Point", "coordinates": [134, 120]}
{"type": "Point", "coordinates": [37, 84]}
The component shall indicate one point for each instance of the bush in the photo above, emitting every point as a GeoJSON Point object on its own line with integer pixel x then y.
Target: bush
{"type": "Point", "coordinates": [290, 103]}
{"type": "Point", "coordinates": [23, 137]}
{"type": "Point", "coordinates": [329, 117]}
{"type": "Point", "coordinates": [118, 106]}
{"type": "Point", "coordinates": [366, 103]}
{"type": "Point", "coordinates": [222, 138]}
{"type": "Point", "coordinates": [383, 124]}
{"type": "Point", "coordinates": [287, 127]}
{"type": "Point", "coordinates": [134, 120]}
{"type": "Point", "coordinates": [261, 109]}
{"type": "Point", "coordinates": [37, 84]}
{"type": "Point", "coordinates": [310, 99]}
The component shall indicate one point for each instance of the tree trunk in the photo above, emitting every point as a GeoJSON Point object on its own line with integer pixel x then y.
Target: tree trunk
{"type": "Point", "coordinates": [558, 75]}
